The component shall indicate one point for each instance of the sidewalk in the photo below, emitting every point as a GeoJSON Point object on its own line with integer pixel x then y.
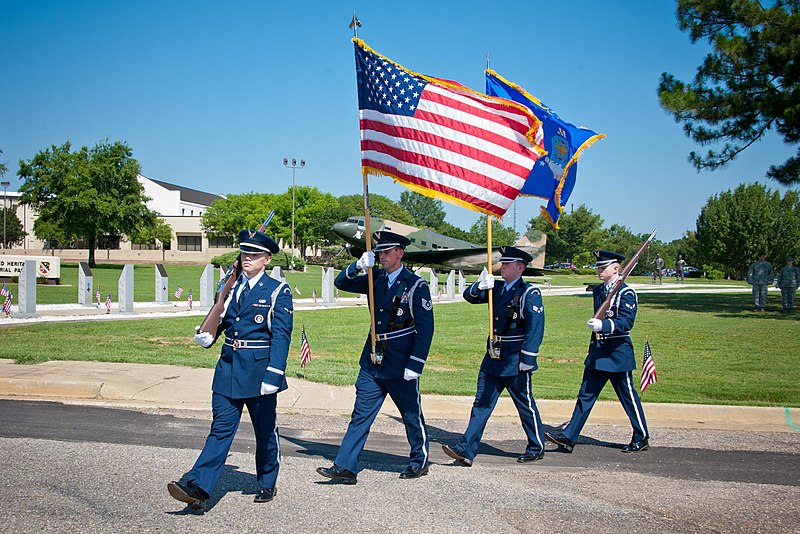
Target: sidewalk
{"type": "Point", "coordinates": [175, 387]}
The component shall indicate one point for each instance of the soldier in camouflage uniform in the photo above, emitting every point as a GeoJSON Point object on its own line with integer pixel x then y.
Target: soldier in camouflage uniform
{"type": "Point", "coordinates": [788, 281]}
{"type": "Point", "coordinates": [760, 276]}
{"type": "Point", "coordinates": [679, 266]}
{"type": "Point", "coordinates": [659, 268]}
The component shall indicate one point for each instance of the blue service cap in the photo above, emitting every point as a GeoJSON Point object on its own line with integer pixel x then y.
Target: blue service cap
{"type": "Point", "coordinates": [604, 258]}
{"type": "Point", "coordinates": [509, 254]}
{"type": "Point", "coordinates": [257, 242]}
{"type": "Point", "coordinates": [385, 240]}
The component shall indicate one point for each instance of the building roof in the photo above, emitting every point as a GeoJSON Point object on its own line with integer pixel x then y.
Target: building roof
{"type": "Point", "coordinates": [189, 195]}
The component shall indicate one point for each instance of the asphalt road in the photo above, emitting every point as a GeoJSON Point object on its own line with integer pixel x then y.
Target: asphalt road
{"type": "Point", "coordinates": [71, 468]}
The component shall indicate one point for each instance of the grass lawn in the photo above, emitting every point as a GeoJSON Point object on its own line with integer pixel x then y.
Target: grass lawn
{"type": "Point", "coordinates": [708, 348]}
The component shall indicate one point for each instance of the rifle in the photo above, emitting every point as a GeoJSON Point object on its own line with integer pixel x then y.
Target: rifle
{"type": "Point", "coordinates": [211, 323]}
{"type": "Point", "coordinates": [601, 311]}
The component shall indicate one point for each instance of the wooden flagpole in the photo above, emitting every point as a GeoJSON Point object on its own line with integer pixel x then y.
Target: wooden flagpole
{"type": "Point", "coordinates": [489, 268]}
{"type": "Point", "coordinates": [371, 290]}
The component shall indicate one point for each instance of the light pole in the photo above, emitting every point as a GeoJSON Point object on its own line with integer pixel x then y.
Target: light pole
{"type": "Point", "coordinates": [293, 166]}
{"type": "Point", "coordinates": [5, 189]}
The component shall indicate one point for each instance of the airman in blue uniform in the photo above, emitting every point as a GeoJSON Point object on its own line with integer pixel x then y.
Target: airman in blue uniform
{"type": "Point", "coordinates": [404, 330]}
{"type": "Point", "coordinates": [510, 358]}
{"type": "Point", "coordinates": [611, 358]}
{"type": "Point", "coordinates": [257, 327]}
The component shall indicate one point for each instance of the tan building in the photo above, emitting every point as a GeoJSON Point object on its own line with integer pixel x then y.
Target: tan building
{"type": "Point", "coordinates": [181, 208]}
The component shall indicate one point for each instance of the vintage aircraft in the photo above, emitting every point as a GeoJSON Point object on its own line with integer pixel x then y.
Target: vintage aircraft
{"type": "Point", "coordinates": [435, 250]}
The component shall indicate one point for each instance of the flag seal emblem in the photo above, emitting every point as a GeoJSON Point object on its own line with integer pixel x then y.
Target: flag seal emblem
{"type": "Point", "coordinates": [399, 312]}
{"type": "Point", "coordinates": [560, 152]}
{"type": "Point", "coordinates": [259, 319]}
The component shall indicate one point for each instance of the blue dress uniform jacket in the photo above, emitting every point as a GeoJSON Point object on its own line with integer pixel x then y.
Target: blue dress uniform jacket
{"type": "Point", "coordinates": [519, 323]}
{"type": "Point", "coordinates": [611, 349]}
{"type": "Point", "coordinates": [519, 317]}
{"type": "Point", "coordinates": [265, 317]}
{"type": "Point", "coordinates": [408, 347]}
{"type": "Point", "coordinates": [257, 332]}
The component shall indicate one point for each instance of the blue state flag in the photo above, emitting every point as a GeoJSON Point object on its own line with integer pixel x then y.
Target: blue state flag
{"type": "Point", "coordinates": [553, 176]}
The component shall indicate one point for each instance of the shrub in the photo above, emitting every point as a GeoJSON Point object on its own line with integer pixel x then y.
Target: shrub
{"type": "Point", "coordinates": [712, 273]}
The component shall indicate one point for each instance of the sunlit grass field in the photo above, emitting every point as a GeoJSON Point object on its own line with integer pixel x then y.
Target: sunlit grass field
{"type": "Point", "coordinates": [708, 348]}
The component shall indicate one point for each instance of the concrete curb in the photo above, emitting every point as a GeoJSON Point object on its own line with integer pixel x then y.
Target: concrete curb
{"type": "Point", "coordinates": [175, 387]}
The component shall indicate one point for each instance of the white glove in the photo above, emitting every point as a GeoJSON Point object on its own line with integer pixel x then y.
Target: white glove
{"type": "Point", "coordinates": [595, 325]}
{"type": "Point", "coordinates": [366, 261]}
{"type": "Point", "coordinates": [268, 389]}
{"type": "Point", "coordinates": [408, 374]}
{"type": "Point", "coordinates": [204, 339]}
{"type": "Point", "coordinates": [485, 280]}
{"type": "Point", "coordinates": [525, 367]}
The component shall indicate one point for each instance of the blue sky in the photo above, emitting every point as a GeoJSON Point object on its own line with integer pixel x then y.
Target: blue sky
{"type": "Point", "coordinates": [213, 95]}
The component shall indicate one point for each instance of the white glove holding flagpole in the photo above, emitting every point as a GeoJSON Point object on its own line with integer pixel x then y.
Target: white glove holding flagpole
{"type": "Point", "coordinates": [366, 261]}
{"type": "Point", "coordinates": [485, 280]}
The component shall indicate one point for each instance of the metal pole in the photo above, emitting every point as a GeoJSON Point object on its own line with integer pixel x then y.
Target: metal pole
{"type": "Point", "coordinates": [293, 166]}
{"type": "Point", "coordinates": [5, 190]}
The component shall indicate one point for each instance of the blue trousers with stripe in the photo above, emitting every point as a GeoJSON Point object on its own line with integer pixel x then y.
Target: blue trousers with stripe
{"type": "Point", "coordinates": [227, 414]}
{"type": "Point", "coordinates": [593, 383]}
{"type": "Point", "coordinates": [370, 394]}
{"type": "Point", "coordinates": [488, 391]}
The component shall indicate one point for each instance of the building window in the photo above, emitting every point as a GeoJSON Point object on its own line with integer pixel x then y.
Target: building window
{"type": "Point", "coordinates": [424, 242]}
{"type": "Point", "coordinates": [190, 243]}
{"type": "Point", "coordinates": [150, 245]}
{"type": "Point", "coordinates": [220, 242]}
{"type": "Point", "coordinates": [107, 242]}
{"type": "Point", "coordinates": [167, 245]}
{"type": "Point", "coordinates": [413, 240]}
{"type": "Point", "coordinates": [183, 211]}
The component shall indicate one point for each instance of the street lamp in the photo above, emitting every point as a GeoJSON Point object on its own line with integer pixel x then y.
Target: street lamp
{"type": "Point", "coordinates": [293, 166]}
{"type": "Point", "coordinates": [4, 185]}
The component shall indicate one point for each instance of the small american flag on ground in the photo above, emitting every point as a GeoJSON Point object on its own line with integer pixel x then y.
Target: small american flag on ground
{"type": "Point", "coordinates": [648, 368]}
{"type": "Point", "coordinates": [4, 291]}
{"type": "Point", "coordinates": [296, 290]}
{"type": "Point", "coordinates": [314, 295]}
{"type": "Point", "coordinates": [97, 297]}
{"type": "Point", "coordinates": [7, 301]}
{"type": "Point", "coordinates": [305, 351]}
{"type": "Point", "coordinates": [108, 303]}
{"type": "Point", "coordinates": [190, 300]}
{"type": "Point", "coordinates": [178, 292]}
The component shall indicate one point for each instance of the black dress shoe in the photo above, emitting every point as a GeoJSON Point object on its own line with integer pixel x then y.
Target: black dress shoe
{"type": "Point", "coordinates": [337, 474]}
{"type": "Point", "coordinates": [561, 440]}
{"type": "Point", "coordinates": [636, 446]}
{"type": "Point", "coordinates": [414, 472]}
{"type": "Point", "coordinates": [188, 492]}
{"type": "Point", "coordinates": [454, 453]}
{"type": "Point", "coordinates": [265, 494]}
{"type": "Point", "coordinates": [528, 457]}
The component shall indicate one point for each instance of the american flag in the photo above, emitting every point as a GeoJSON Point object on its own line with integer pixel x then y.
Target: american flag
{"type": "Point", "coordinates": [305, 351]}
{"type": "Point", "coordinates": [648, 367]}
{"type": "Point", "coordinates": [296, 290]}
{"type": "Point", "coordinates": [314, 295]}
{"type": "Point", "coordinates": [7, 301]}
{"type": "Point", "coordinates": [108, 303]}
{"type": "Point", "coordinates": [442, 139]}
{"type": "Point", "coordinates": [97, 297]}
{"type": "Point", "coordinates": [178, 292]}
{"type": "Point", "coordinates": [4, 290]}
{"type": "Point", "coordinates": [190, 300]}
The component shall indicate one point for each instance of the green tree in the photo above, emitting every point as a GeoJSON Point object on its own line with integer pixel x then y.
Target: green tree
{"type": "Point", "coordinates": [380, 206]}
{"type": "Point", "coordinates": [734, 226]}
{"type": "Point", "coordinates": [12, 228]}
{"type": "Point", "coordinates": [427, 212]}
{"type": "Point", "coordinates": [3, 167]}
{"type": "Point", "coordinates": [749, 83]}
{"type": "Point", "coordinates": [84, 193]}
{"type": "Point", "coordinates": [501, 235]}
{"type": "Point", "coordinates": [225, 217]}
{"type": "Point", "coordinates": [578, 232]}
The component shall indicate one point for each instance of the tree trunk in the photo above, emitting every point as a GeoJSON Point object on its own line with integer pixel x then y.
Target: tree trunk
{"type": "Point", "coordinates": [92, 244]}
